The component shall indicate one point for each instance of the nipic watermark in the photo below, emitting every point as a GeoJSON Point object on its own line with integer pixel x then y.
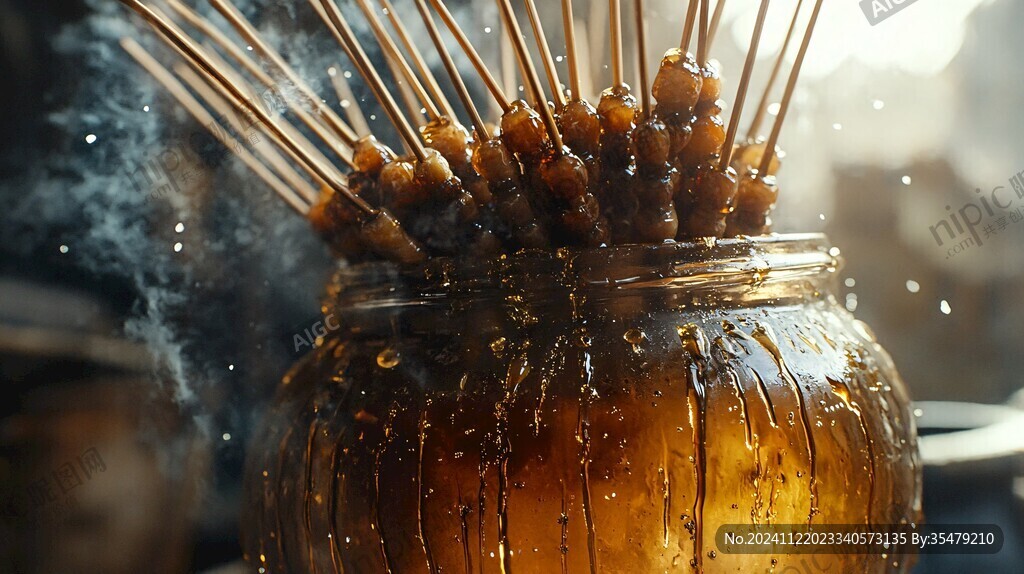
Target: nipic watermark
{"type": "Point", "coordinates": [878, 11]}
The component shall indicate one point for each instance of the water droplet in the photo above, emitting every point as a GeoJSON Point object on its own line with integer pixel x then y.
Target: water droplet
{"type": "Point", "coordinates": [487, 29]}
{"type": "Point", "coordinates": [907, 180]}
{"type": "Point", "coordinates": [178, 247]}
{"type": "Point", "coordinates": [837, 126]}
{"type": "Point", "coordinates": [634, 337]}
{"type": "Point", "coordinates": [945, 308]}
{"type": "Point", "coordinates": [878, 104]}
{"type": "Point", "coordinates": [179, 227]}
{"type": "Point", "coordinates": [913, 286]}
{"type": "Point", "coordinates": [388, 358]}
{"type": "Point", "coordinates": [145, 109]}
{"type": "Point", "coordinates": [64, 249]}
{"type": "Point", "coordinates": [226, 436]}
{"type": "Point", "coordinates": [231, 367]}
{"type": "Point", "coordinates": [851, 282]}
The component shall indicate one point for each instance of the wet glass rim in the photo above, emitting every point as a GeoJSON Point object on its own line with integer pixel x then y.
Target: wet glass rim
{"type": "Point", "coordinates": [700, 265]}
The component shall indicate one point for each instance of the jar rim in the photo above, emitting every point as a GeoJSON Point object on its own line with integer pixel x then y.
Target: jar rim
{"type": "Point", "coordinates": [698, 265]}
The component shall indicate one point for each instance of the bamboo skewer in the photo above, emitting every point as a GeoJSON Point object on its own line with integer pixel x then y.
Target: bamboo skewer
{"type": "Point", "coordinates": [474, 56]}
{"type": "Point", "coordinates": [569, 24]}
{"type": "Point", "coordinates": [787, 98]}
{"type": "Point", "coordinates": [196, 109]}
{"type": "Point", "coordinates": [762, 107]}
{"type": "Point", "coordinates": [343, 33]}
{"type": "Point", "coordinates": [391, 51]}
{"type": "Point", "coordinates": [641, 47]}
{"type": "Point", "coordinates": [586, 72]}
{"type": "Point", "coordinates": [557, 91]}
{"type": "Point", "coordinates": [446, 58]}
{"type": "Point", "coordinates": [320, 127]}
{"type": "Point", "coordinates": [283, 124]}
{"type": "Point", "coordinates": [417, 58]}
{"type": "Point", "coordinates": [741, 93]}
{"type": "Point", "coordinates": [716, 20]}
{"type": "Point", "coordinates": [197, 58]}
{"type": "Point", "coordinates": [270, 155]}
{"type": "Point", "coordinates": [249, 33]}
{"type": "Point", "coordinates": [691, 18]}
{"type": "Point", "coordinates": [702, 38]}
{"type": "Point", "coordinates": [352, 109]}
{"type": "Point", "coordinates": [615, 28]}
{"type": "Point", "coordinates": [507, 65]}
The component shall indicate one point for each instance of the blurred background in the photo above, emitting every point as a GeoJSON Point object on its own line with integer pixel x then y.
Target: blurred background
{"type": "Point", "coordinates": [143, 328]}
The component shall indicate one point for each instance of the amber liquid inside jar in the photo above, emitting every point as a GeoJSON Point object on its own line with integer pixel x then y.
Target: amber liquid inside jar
{"type": "Point", "coordinates": [586, 411]}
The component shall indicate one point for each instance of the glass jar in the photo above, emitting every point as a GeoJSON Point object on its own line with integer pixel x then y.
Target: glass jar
{"type": "Point", "coordinates": [583, 411]}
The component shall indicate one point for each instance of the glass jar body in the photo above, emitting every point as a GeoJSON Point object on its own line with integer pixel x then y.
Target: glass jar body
{"type": "Point", "coordinates": [600, 413]}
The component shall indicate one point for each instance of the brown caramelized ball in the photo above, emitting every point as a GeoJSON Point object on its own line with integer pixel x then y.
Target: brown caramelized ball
{"type": "Point", "coordinates": [652, 146]}
{"type": "Point", "coordinates": [715, 190]}
{"type": "Point", "coordinates": [434, 176]}
{"type": "Point", "coordinates": [709, 134]}
{"type": "Point", "coordinates": [494, 162]}
{"type": "Point", "coordinates": [656, 225]}
{"type": "Point", "coordinates": [711, 87]}
{"type": "Point", "coordinates": [336, 220]}
{"type": "Point", "coordinates": [712, 199]}
{"type": "Point", "coordinates": [584, 222]}
{"type": "Point", "coordinates": [677, 86]}
{"type": "Point", "coordinates": [449, 138]}
{"type": "Point", "coordinates": [398, 187]}
{"type": "Point", "coordinates": [566, 176]}
{"type": "Point", "coordinates": [523, 130]}
{"type": "Point", "coordinates": [580, 126]}
{"type": "Point", "coordinates": [388, 239]}
{"type": "Point", "coordinates": [370, 155]}
{"type": "Point", "coordinates": [681, 132]}
{"type": "Point", "coordinates": [748, 157]}
{"type": "Point", "coordinates": [618, 110]}
{"type": "Point", "coordinates": [755, 201]}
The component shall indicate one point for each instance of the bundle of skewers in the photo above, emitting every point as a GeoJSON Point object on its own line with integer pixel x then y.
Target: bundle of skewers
{"type": "Point", "coordinates": [553, 171]}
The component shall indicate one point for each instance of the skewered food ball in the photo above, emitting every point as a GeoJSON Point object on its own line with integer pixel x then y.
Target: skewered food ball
{"type": "Point", "coordinates": [754, 203]}
{"type": "Point", "coordinates": [678, 84]}
{"type": "Point", "coordinates": [523, 131]}
{"type": "Point", "coordinates": [713, 194]}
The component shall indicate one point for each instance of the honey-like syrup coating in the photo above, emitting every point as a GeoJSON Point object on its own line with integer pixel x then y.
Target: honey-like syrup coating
{"type": "Point", "coordinates": [523, 131]}
{"type": "Point", "coordinates": [580, 126]}
{"type": "Point", "coordinates": [370, 155]}
{"type": "Point", "coordinates": [434, 176]}
{"type": "Point", "coordinates": [677, 86]}
{"type": "Point", "coordinates": [754, 203]}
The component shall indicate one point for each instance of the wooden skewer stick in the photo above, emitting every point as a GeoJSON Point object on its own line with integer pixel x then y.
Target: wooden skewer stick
{"type": "Point", "coordinates": [641, 48]}
{"type": "Point", "coordinates": [287, 127]}
{"type": "Point", "coordinates": [507, 65]}
{"type": "Point", "coordinates": [545, 52]}
{"type": "Point", "coordinates": [320, 127]}
{"type": "Point", "coordinates": [702, 38]}
{"type": "Point", "coordinates": [347, 38]}
{"type": "Point", "coordinates": [532, 79]}
{"type": "Point", "coordinates": [270, 155]}
{"type": "Point", "coordinates": [474, 56]}
{"type": "Point", "coordinates": [417, 59]}
{"type": "Point", "coordinates": [197, 57]}
{"type": "Point", "coordinates": [615, 28]}
{"type": "Point", "coordinates": [741, 93]}
{"type": "Point", "coordinates": [348, 101]}
{"type": "Point", "coordinates": [596, 35]}
{"type": "Point", "coordinates": [787, 98]}
{"type": "Point", "coordinates": [453, 71]}
{"type": "Point", "coordinates": [391, 51]}
{"type": "Point", "coordinates": [586, 73]}
{"type": "Point", "coordinates": [762, 107]}
{"type": "Point", "coordinates": [691, 18]}
{"type": "Point", "coordinates": [569, 24]}
{"type": "Point", "coordinates": [196, 109]}
{"type": "Point", "coordinates": [249, 33]}
{"type": "Point", "coordinates": [716, 20]}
